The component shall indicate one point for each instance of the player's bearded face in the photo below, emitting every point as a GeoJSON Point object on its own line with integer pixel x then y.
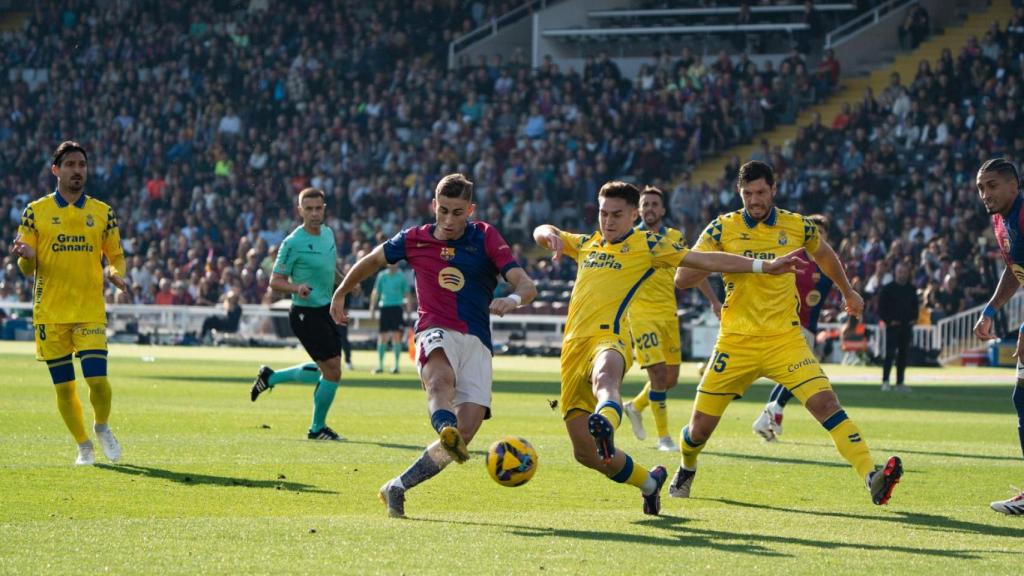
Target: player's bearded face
{"type": "Point", "coordinates": [651, 209]}
{"type": "Point", "coordinates": [72, 172]}
{"type": "Point", "coordinates": [758, 198]}
{"type": "Point", "coordinates": [452, 215]}
{"type": "Point", "coordinates": [615, 217]}
{"type": "Point", "coordinates": [997, 192]}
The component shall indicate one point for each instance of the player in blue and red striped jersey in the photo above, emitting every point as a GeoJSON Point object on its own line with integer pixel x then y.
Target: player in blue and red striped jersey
{"type": "Point", "coordinates": [813, 287]}
{"type": "Point", "coordinates": [457, 264]}
{"type": "Point", "coordinates": [998, 187]}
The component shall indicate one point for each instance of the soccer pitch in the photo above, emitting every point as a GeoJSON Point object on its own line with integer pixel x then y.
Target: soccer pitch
{"type": "Point", "coordinates": [212, 483]}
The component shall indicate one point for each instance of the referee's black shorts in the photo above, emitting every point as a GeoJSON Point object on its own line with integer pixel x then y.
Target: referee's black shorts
{"type": "Point", "coordinates": [391, 319]}
{"type": "Point", "coordinates": [316, 330]}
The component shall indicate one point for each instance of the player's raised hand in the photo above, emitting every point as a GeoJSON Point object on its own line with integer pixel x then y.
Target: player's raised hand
{"type": "Point", "coordinates": [555, 244]}
{"type": "Point", "coordinates": [21, 249]}
{"type": "Point", "coordinates": [983, 329]}
{"type": "Point", "coordinates": [338, 312]}
{"type": "Point", "coordinates": [502, 306]}
{"type": "Point", "coordinates": [784, 265]}
{"type": "Point", "coordinates": [854, 304]}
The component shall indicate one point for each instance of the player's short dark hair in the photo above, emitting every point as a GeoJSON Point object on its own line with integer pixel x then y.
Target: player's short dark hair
{"type": "Point", "coordinates": [654, 190]}
{"type": "Point", "coordinates": [312, 193]}
{"type": "Point", "coordinates": [455, 186]}
{"type": "Point", "coordinates": [753, 171]}
{"type": "Point", "coordinates": [1000, 166]}
{"type": "Point", "coordinates": [619, 189]}
{"type": "Point", "coordinates": [822, 222]}
{"type": "Point", "coordinates": [66, 147]}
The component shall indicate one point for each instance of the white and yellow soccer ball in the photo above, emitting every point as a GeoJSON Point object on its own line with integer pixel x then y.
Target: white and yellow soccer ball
{"type": "Point", "coordinates": [511, 461]}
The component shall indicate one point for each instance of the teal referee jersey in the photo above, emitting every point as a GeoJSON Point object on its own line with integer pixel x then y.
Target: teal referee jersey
{"type": "Point", "coordinates": [308, 259]}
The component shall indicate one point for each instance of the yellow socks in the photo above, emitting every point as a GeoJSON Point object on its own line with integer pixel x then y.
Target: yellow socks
{"type": "Point", "coordinates": [612, 411]}
{"type": "Point", "coordinates": [641, 401]}
{"type": "Point", "coordinates": [689, 448]}
{"type": "Point", "coordinates": [660, 410]}
{"type": "Point", "coordinates": [70, 408]}
{"type": "Point", "coordinates": [847, 439]}
{"type": "Point", "coordinates": [100, 396]}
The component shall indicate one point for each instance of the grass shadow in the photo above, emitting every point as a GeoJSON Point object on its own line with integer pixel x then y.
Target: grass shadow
{"type": "Point", "coordinates": [194, 479]}
{"type": "Point", "coordinates": [929, 521]}
{"type": "Point", "coordinates": [777, 460]}
{"type": "Point", "coordinates": [900, 451]}
{"type": "Point", "coordinates": [719, 540]}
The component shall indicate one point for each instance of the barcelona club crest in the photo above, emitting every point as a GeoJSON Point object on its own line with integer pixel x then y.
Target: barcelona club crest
{"type": "Point", "coordinates": [783, 240]}
{"type": "Point", "coordinates": [447, 253]}
{"type": "Point", "coordinates": [88, 220]}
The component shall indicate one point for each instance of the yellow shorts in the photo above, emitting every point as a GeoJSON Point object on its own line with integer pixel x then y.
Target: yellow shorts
{"type": "Point", "coordinates": [578, 355]}
{"type": "Point", "coordinates": [738, 360]}
{"type": "Point", "coordinates": [656, 342]}
{"type": "Point", "coordinates": [55, 341]}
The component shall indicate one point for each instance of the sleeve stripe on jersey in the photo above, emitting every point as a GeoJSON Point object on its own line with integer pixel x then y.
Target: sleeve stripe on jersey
{"type": "Point", "coordinates": [28, 219]}
{"type": "Point", "coordinates": [509, 266]}
{"type": "Point", "coordinates": [715, 230]}
{"type": "Point", "coordinates": [629, 296]}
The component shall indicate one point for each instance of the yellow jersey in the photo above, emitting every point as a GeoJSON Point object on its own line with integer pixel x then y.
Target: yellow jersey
{"type": "Point", "coordinates": [609, 276]}
{"type": "Point", "coordinates": [656, 300]}
{"type": "Point", "coordinates": [70, 241]}
{"type": "Point", "coordinates": [759, 304]}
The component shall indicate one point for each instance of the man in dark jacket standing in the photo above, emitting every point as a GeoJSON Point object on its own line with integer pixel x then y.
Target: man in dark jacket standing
{"type": "Point", "coordinates": [898, 308]}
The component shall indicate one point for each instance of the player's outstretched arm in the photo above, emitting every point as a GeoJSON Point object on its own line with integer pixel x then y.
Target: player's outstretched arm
{"type": "Point", "coordinates": [366, 266]}
{"type": "Point", "coordinates": [523, 292]}
{"type": "Point", "coordinates": [687, 278]}
{"type": "Point", "coordinates": [829, 263]}
{"type": "Point", "coordinates": [549, 237]}
{"type": "Point", "coordinates": [1008, 285]}
{"type": "Point", "coordinates": [725, 262]}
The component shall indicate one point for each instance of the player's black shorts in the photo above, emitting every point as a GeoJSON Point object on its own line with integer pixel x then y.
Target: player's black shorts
{"type": "Point", "coordinates": [316, 330]}
{"type": "Point", "coordinates": [391, 319]}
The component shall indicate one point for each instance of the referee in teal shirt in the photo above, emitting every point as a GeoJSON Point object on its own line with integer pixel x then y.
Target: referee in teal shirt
{"type": "Point", "coordinates": [306, 268]}
{"type": "Point", "coordinates": [389, 294]}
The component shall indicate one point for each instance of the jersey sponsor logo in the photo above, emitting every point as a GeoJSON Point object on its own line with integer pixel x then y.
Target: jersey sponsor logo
{"type": "Point", "coordinates": [813, 297]}
{"type": "Point", "coordinates": [759, 255]}
{"type": "Point", "coordinates": [601, 260]}
{"type": "Point", "coordinates": [99, 331]}
{"type": "Point", "coordinates": [71, 243]}
{"type": "Point", "coordinates": [783, 240]}
{"type": "Point", "coordinates": [451, 278]}
{"type": "Point", "coordinates": [447, 253]}
{"type": "Point", "coordinates": [798, 365]}
{"type": "Point", "coordinates": [89, 221]}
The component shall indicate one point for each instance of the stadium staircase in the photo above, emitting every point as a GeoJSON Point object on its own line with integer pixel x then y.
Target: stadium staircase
{"type": "Point", "coordinates": [851, 90]}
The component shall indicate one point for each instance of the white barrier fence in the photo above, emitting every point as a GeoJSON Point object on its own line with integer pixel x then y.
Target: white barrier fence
{"type": "Point", "coordinates": [951, 337]}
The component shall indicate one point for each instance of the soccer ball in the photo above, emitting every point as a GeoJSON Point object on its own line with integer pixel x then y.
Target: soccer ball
{"type": "Point", "coordinates": [511, 461]}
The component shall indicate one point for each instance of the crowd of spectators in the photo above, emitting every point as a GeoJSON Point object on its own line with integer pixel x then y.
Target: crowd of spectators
{"type": "Point", "coordinates": [203, 120]}
{"type": "Point", "coordinates": [895, 173]}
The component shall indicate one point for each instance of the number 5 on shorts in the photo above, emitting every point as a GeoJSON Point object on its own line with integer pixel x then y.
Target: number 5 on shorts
{"type": "Point", "coordinates": [718, 365]}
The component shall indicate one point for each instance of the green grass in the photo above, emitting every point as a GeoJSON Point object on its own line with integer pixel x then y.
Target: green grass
{"type": "Point", "coordinates": [211, 483]}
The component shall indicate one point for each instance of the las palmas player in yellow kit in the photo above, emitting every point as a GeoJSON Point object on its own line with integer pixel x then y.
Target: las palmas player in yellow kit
{"type": "Point", "coordinates": [760, 333]}
{"type": "Point", "coordinates": [63, 239]}
{"type": "Point", "coordinates": [652, 318]}
{"type": "Point", "coordinates": [613, 263]}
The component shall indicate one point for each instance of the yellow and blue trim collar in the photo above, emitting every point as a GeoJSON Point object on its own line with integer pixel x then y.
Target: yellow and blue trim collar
{"type": "Point", "coordinates": [61, 202]}
{"type": "Point", "coordinates": [773, 217]}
